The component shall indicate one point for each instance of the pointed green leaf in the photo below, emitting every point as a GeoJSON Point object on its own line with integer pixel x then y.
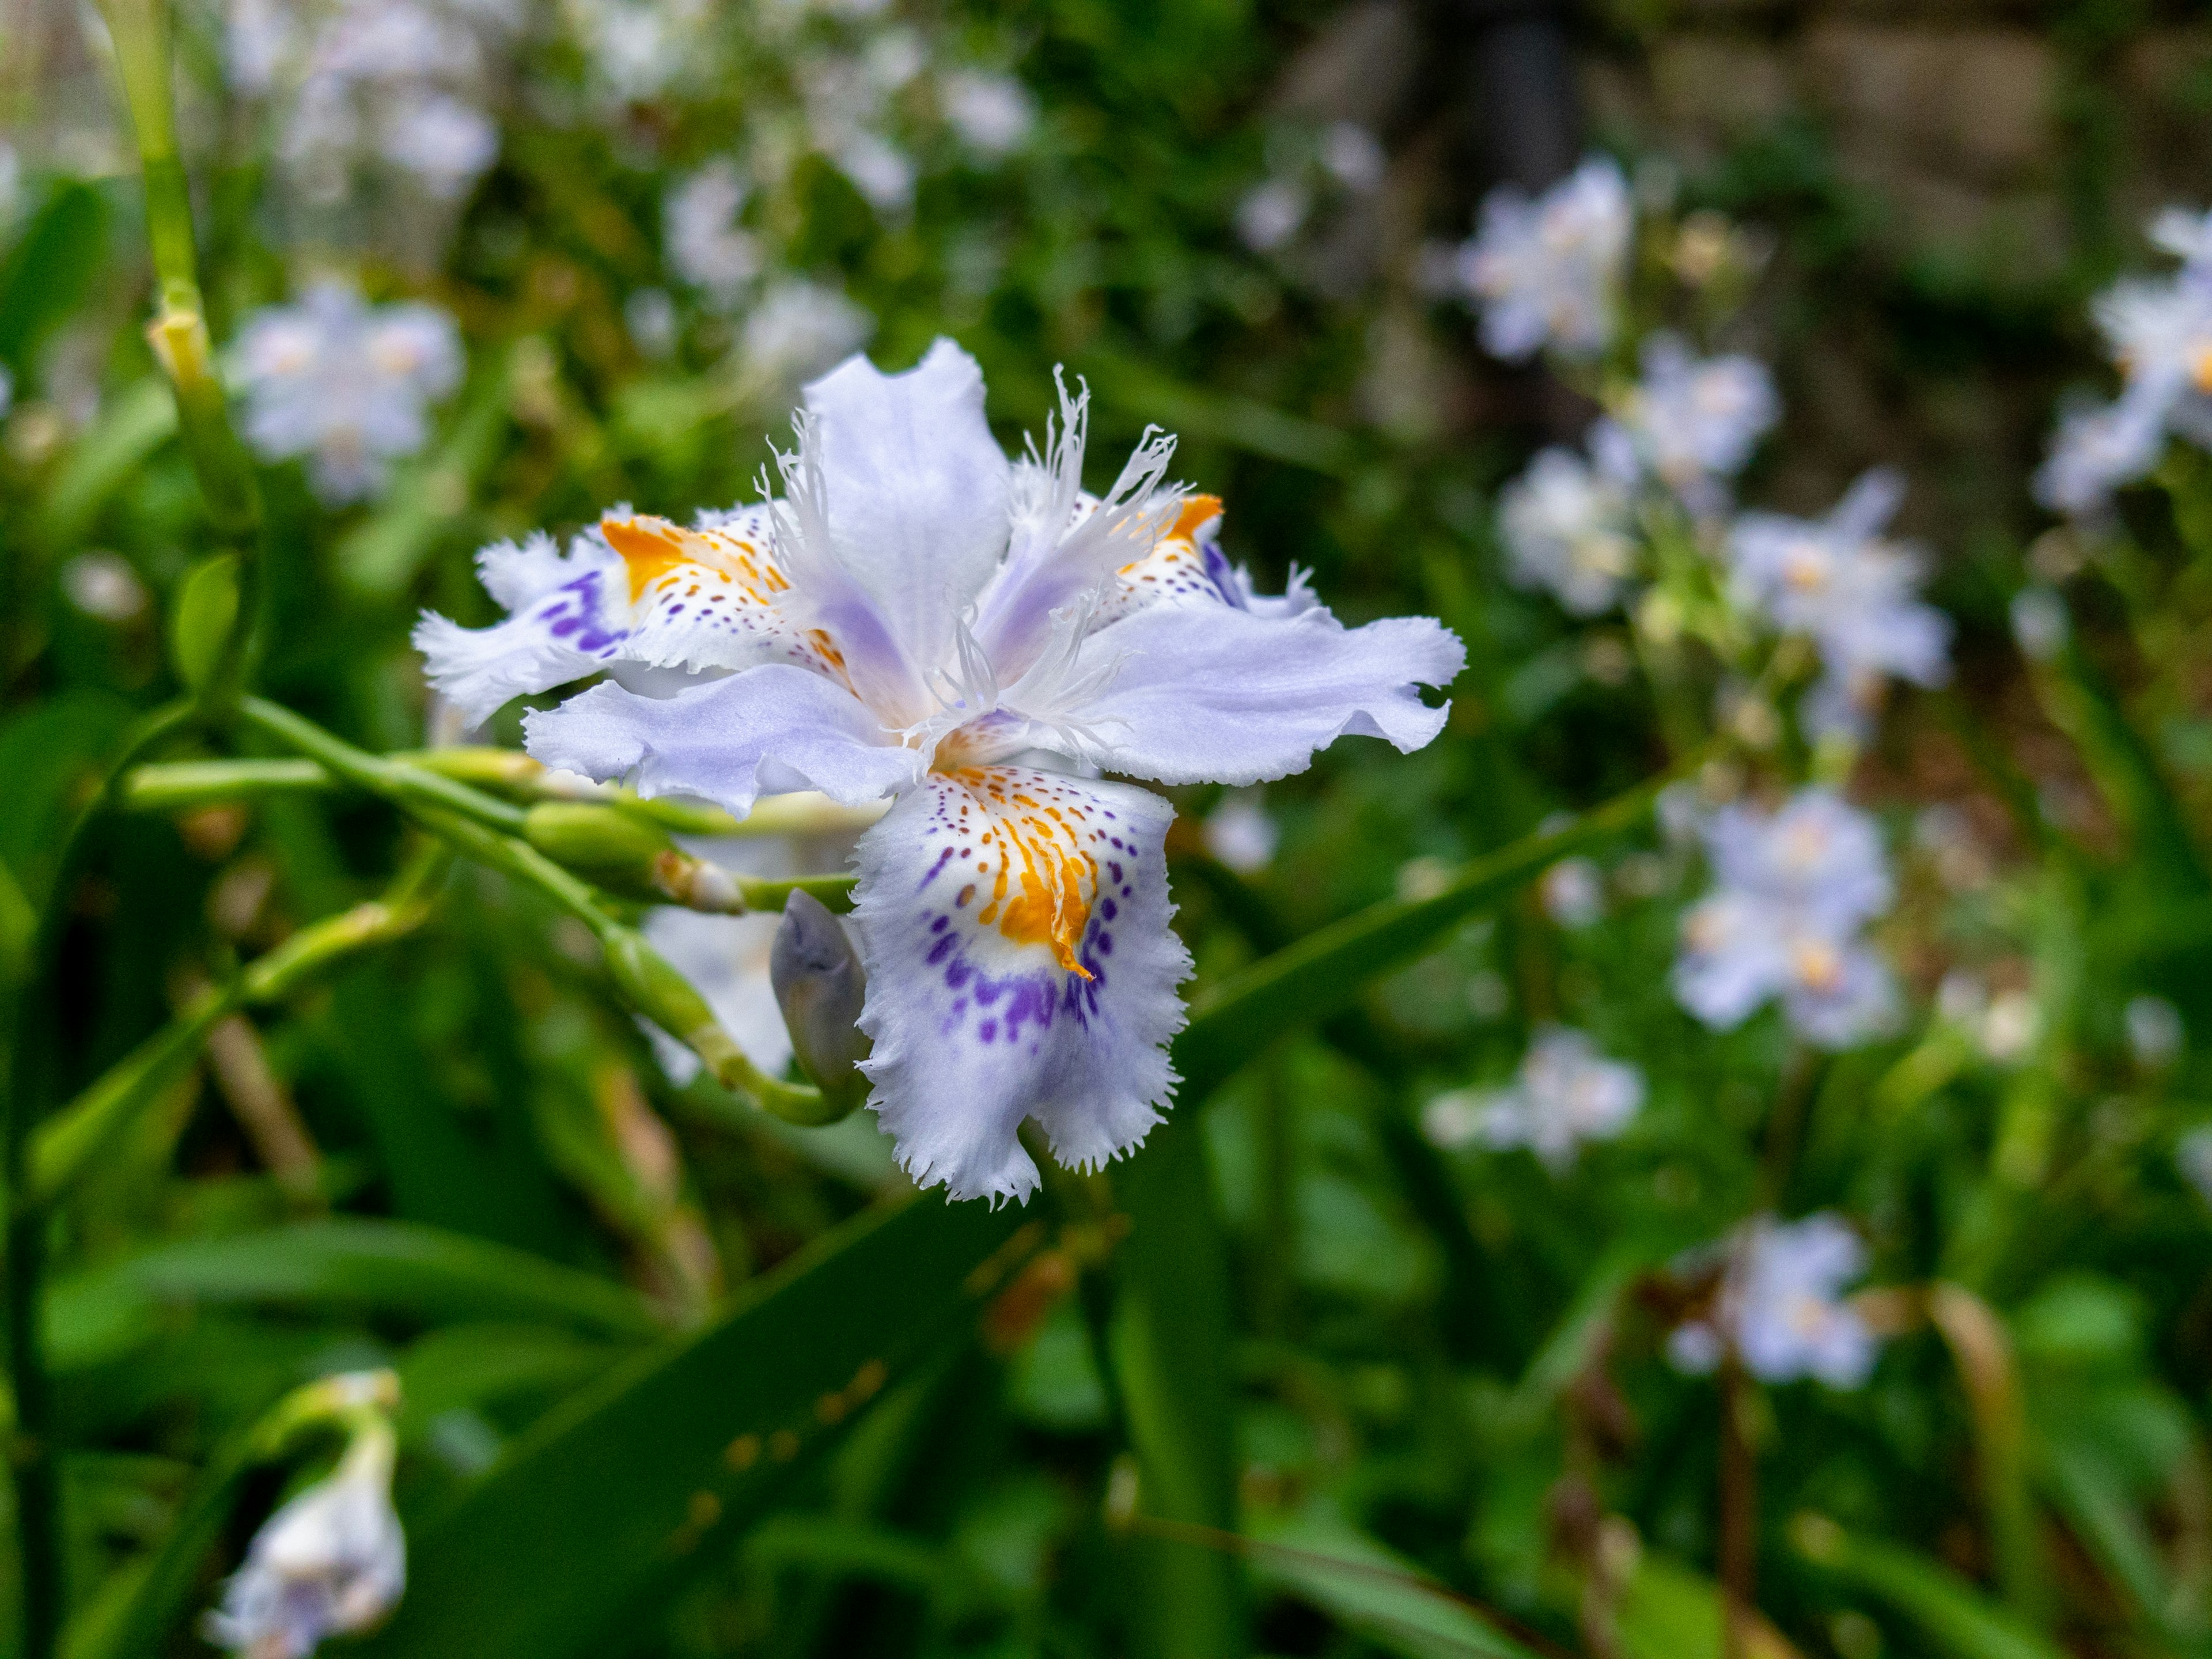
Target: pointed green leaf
{"type": "Point", "coordinates": [395, 1266]}
{"type": "Point", "coordinates": [1325, 972]}
{"type": "Point", "coordinates": [1373, 1590]}
{"type": "Point", "coordinates": [615, 1495]}
{"type": "Point", "coordinates": [1950, 1612]}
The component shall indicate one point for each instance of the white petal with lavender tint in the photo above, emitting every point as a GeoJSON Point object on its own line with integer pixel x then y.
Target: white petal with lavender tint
{"type": "Point", "coordinates": [767, 731]}
{"type": "Point", "coordinates": [572, 615]}
{"type": "Point", "coordinates": [1014, 927]}
{"type": "Point", "coordinates": [1212, 693]}
{"type": "Point", "coordinates": [916, 491]}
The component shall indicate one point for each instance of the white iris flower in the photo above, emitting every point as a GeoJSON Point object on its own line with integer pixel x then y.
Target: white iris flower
{"type": "Point", "coordinates": [2158, 331]}
{"type": "Point", "coordinates": [1780, 1306]}
{"type": "Point", "coordinates": [1549, 272]}
{"type": "Point", "coordinates": [1691, 422]}
{"type": "Point", "coordinates": [1854, 594]}
{"type": "Point", "coordinates": [345, 384]}
{"type": "Point", "coordinates": [1569, 529]}
{"type": "Point", "coordinates": [1567, 1093]}
{"type": "Point", "coordinates": [918, 617]}
{"type": "Point", "coordinates": [332, 1561]}
{"type": "Point", "coordinates": [1794, 891]}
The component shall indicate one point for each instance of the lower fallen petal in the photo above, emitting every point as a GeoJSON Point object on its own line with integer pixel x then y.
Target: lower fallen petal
{"type": "Point", "coordinates": [1014, 927]}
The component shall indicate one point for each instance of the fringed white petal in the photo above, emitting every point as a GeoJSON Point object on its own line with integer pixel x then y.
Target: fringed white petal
{"type": "Point", "coordinates": [916, 490]}
{"type": "Point", "coordinates": [1014, 927]}
{"type": "Point", "coordinates": [1211, 693]}
{"type": "Point", "coordinates": [767, 730]}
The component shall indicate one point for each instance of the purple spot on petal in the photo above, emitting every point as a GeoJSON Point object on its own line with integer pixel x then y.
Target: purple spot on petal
{"type": "Point", "coordinates": [988, 1030]}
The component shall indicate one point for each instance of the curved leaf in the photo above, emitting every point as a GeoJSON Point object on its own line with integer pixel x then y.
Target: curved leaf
{"type": "Point", "coordinates": [616, 1494]}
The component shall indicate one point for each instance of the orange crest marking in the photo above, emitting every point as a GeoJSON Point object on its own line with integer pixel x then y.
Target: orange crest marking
{"type": "Point", "coordinates": [1043, 880]}
{"type": "Point", "coordinates": [650, 547]}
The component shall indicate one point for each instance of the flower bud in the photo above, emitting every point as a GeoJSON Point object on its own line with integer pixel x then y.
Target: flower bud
{"type": "Point", "coordinates": [624, 855]}
{"type": "Point", "coordinates": [332, 1561]}
{"type": "Point", "coordinates": [820, 985]}
{"type": "Point", "coordinates": [206, 610]}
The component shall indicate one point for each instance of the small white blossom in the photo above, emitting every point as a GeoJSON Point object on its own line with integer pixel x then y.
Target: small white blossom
{"type": "Point", "coordinates": [1793, 892]}
{"type": "Point", "coordinates": [2159, 332]}
{"type": "Point", "coordinates": [2040, 626]}
{"type": "Point", "coordinates": [1693, 422]}
{"type": "Point", "coordinates": [332, 1561]}
{"type": "Point", "coordinates": [1272, 214]}
{"type": "Point", "coordinates": [356, 82]}
{"type": "Point", "coordinates": [1566, 525]}
{"type": "Point", "coordinates": [1566, 1093]}
{"type": "Point", "coordinates": [1548, 271]}
{"type": "Point", "coordinates": [2192, 1156]}
{"type": "Point", "coordinates": [798, 329]}
{"type": "Point", "coordinates": [1353, 156]}
{"type": "Point", "coordinates": [993, 113]}
{"type": "Point", "coordinates": [1241, 835]}
{"type": "Point", "coordinates": [2156, 1033]}
{"type": "Point", "coordinates": [2010, 1027]}
{"type": "Point", "coordinates": [707, 246]}
{"type": "Point", "coordinates": [1854, 594]}
{"type": "Point", "coordinates": [104, 585]}
{"type": "Point", "coordinates": [1573, 893]}
{"type": "Point", "coordinates": [345, 384]}
{"type": "Point", "coordinates": [1780, 1306]}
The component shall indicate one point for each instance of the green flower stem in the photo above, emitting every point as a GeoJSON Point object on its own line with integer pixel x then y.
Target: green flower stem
{"type": "Point", "coordinates": [178, 336]}
{"type": "Point", "coordinates": [67, 1144]}
{"type": "Point", "coordinates": [181, 785]}
{"type": "Point", "coordinates": [645, 978]}
{"type": "Point", "coordinates": [407, 786]}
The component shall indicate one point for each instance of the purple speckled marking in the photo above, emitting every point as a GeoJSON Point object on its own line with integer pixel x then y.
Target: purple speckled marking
{"type": "Point", "coordinates": [932, 876]}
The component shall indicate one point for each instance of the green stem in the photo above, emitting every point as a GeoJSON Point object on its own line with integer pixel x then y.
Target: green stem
{"type": "Point", "coordinates": [140, 30]}
{"type": "Point", "coordinates": [432, 777]}
{"type": "Point", "coordinates": [67, 1144]}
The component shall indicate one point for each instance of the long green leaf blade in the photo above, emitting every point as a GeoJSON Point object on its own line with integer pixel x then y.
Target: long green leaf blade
{"type": "Point", "coordinates": [355, 1262]}
{"type": "Point", "coordinates": [614, 1494]}
{"type": "Point", "coordinates": [1325, 972]}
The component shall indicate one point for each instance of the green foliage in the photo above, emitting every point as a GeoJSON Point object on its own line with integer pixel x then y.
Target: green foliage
{"type": "Point", "coordinates": [1303, 1374]}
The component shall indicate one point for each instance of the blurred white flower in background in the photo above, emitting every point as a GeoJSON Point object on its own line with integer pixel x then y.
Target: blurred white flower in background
{"type": "Point", "coordinates": [707, 246]}
{"type": "Point", "coordinates": [1240, 833]}
{"type": "Point", "coordinates": [1793, 892]}
{"type": "Point", "coordinates": [332, 1561]}
{"type": "Point", "coordinates": [1565, 1094]}
{"type": "Point", "coordinates": [1273, 213]}
{"type": "Point", "coordinates": [2192, 1156]}
{"type": "Point", "coordinates": [103, 585]}
{"type": "Point", "coordinates": [1854, 594]}
{"type": "Point", "coordinates": [993, 113]}
{"type": "Point", "coordinates": [1691, 422]}
{"type": "Point", "coordinates": [1567, 527]}
{"type": "Point", "coordinates": [345, 384]}
{"type": "Point", "coordinates": [798, 329]}
{"type": "Point", "coordinates": [1780, 1308]}
{"type": "Point", "coordinates": [2040, 626]}
{"type": "Point", "coordinates": [1573, 893]}
{"type": "Point", "coordinates": [2156, 1033]}
{"type": "Point", "coordinates": [1549, 272]}
{"type": "Point", "coordinates": [2157, 331]}
{"type": "Point", "coordinates": [354, 83]}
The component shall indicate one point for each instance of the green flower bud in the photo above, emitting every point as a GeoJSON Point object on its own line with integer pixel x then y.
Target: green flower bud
{"type": "Point", "coordinates": [206, 611]}
{"type": "Point", "coordinates": [820, 985]}
{"type": "Point", "coordinates": [625, 855]}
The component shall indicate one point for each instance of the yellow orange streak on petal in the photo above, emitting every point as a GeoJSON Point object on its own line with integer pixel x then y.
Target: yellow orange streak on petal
{"type": "Point", "coordinates": [1041, 891]}
{"type": "Point", "coordinates": [650, 547]}
{"type": "Point", "coordinates": [1198, 512]}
